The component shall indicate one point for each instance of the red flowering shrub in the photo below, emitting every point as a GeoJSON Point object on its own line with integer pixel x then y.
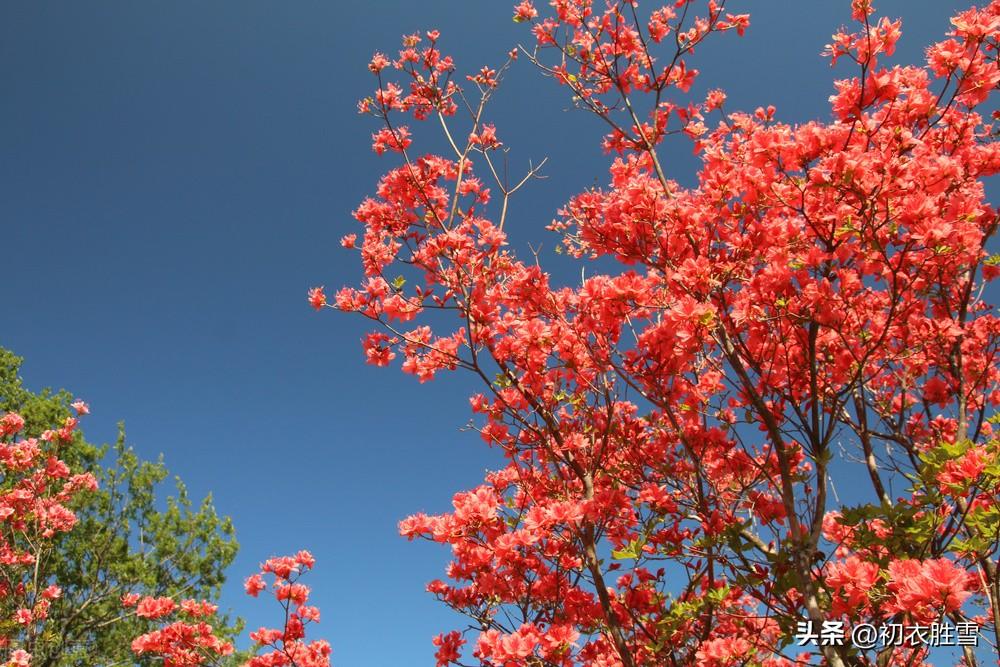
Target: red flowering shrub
{"type": "Point", "coordinates": [671, 428]}
{"type": "Point", "coordinates": [36, 494]}
{"type": "Point", "coordinates": [191, 642]}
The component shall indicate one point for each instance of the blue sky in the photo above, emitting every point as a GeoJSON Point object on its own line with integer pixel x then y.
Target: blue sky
{"type": "Point", "coordinates": [175, 175]}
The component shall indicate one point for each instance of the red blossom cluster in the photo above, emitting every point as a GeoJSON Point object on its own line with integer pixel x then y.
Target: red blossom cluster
{"type": "Point", "coordinates": [287, 645]}
{"type": "Point", "coordinates": [182, 643]}
{"type": "Point", "coordinates": [670, 427]}
{"type": "Point", "coordinates": [192, 642]}
{"type": "Point", "coordinates": [38, 490]}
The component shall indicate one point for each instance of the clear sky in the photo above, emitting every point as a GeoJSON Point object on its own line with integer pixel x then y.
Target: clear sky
{"type": "Point", "coordinates": [175, 175]}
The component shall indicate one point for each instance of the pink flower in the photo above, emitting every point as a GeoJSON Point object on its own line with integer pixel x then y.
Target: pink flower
{"type": "Point", "coordinates": [926, 588]}
{"type": "Point", "coordinates": [150, 607]}
{"type": "Point", "coordinates": [486, 139]}
{"type": "Point", "coordinates": [309, 613]}
{"type": "Point", "coordinates": [964, 471]}
{"type": "Point", "coordinates": [317, 298]}
{"type": "Point", "coordinates": [198, 608]}
{"type": "Point", "coordinates": [20, 658]}
{"type": "Point", "coordinates": [714, 100]}
{"type": "Point", "coordinates": [378, 63]}
{"type": "Point", "coordinates": [254, 585]}
{"type": "Point", "coordinates": [305, 559]}
{"type": "Point", "coordinates": [397, 140]}
{"type": "Point", "coordinates": [525, 11]}
{"type": "Point", "coordinates": [723, 651]}
{"type": "Point", "coordinates": [853, 579]}
{"type": "Point", "coordinates": [10, 424]}
{"type": "Point", "coordinates": [298, 594]}
{"type": "Point", "coordinates": [448, 648]}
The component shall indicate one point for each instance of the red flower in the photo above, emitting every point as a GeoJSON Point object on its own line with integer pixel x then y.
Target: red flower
{"type": "Point", "coordinates": [317, 298]}
{"type": "Point", "coordinates": [448, 648]}
{"type": "Point", "coordinates": [926, 589]}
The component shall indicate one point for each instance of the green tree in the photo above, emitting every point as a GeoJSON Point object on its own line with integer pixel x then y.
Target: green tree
{"type": "Point", "coordinates": [127, 541]}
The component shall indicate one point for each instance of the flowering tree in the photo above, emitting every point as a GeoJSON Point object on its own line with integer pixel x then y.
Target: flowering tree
{"type": "Point", "coordinates": [35, 497]}
{"type": "Point", "coordinates": [73, 590]}
{"type": "Point", "coordinates": [123, 541]}
{"type": "Point", "coordinates": [813, 308]}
